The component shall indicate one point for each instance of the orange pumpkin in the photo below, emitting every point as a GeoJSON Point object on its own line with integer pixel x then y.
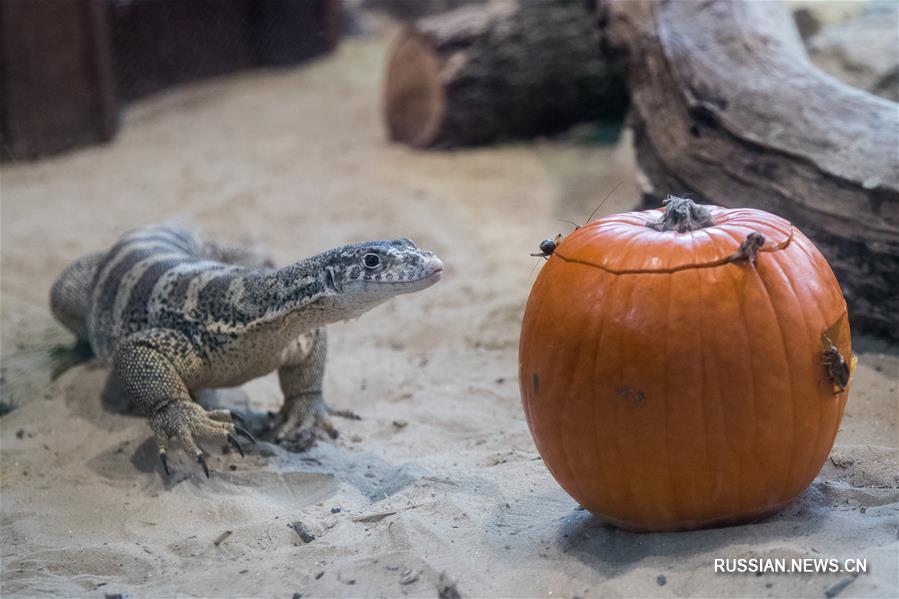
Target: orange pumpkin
{"type": "Point", "coordinates": [672, 365]}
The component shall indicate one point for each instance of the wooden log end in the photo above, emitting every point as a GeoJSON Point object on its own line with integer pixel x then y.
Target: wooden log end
{"type": "Point", "coordinates": [415, 102]}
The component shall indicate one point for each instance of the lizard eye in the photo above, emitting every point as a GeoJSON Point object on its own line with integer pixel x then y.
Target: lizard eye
{"type": "Point", "coordinates": [371, 261]}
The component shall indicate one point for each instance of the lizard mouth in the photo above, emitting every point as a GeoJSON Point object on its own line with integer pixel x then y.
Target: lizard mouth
{"type": "Point", "coordinates": [425, 281]}
{"type": "Point", "coordinates": [435, 274]}
{"type": "Point", "coordinates": [419, 283]}
{"type": "Point", "coordinates": [436, 270]}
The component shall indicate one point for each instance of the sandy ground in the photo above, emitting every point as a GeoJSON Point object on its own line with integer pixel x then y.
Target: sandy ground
{"type": "Point", "coordinates": [440, 476]}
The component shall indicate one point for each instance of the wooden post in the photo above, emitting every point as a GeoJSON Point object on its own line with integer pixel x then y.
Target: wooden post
{"type": "Point", "coordinates": [56, 81]}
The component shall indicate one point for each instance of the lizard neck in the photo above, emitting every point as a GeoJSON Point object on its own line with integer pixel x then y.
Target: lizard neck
{"type": "Point", "coordinates": [283, 292]}
{"type": "Point", "coordinates": [299, 296]}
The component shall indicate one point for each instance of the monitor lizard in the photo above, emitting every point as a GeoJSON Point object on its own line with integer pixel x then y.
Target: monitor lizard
{"type": "Point", "coordinates": [173, 313]}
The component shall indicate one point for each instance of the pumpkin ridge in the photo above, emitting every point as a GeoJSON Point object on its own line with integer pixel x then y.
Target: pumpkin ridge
{"type": "Point", "coordinates": [597, 355]}
{"type": "Point", "coordinates": [698, 277]}
{"type": "Point", "coordinates": [808, 327]}
{"type": "Point", "coordinates": [752, 463]}
{"type": "Point", "coordinates": [673, 494]}
{"type": "Point", "coordinates": [756, 391]}
{"type": "Point", "coordinates": [788, 360]}
{"type": "Point", "coordinates": [639, 271]}
{"type": "Point", "coordinates": [818, 421]}
{"type": "Point", "coordinates": [565, 468]}
{"type": "Point", "coordinates": [718, 453]}
{"type": "Point", "coordinates": [627, 486]}
{"type": "Point", "coordinates": [562, 422]}
{"type": "Point", "coordinates": [527, 379]}
{"type": "Point", "coordinates": [719, 414]}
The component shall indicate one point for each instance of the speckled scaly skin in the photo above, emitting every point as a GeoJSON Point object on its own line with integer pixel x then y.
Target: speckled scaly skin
{"type": "Point", "coordinates": [173, 314]}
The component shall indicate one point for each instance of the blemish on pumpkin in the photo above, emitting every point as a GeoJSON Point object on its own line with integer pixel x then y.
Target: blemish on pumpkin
{"type": "Point", "coordinates": [634, 395]}
{"type": "Point", "coordinates": [535, 379]}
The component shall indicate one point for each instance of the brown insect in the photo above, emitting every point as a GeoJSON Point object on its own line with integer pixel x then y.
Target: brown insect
{"type": "Point", "coordinates": [837, 366]}
{"type": "Point", "coordinates": [749, 249]}
{"type": "Point", "coordinates": [548, 246]}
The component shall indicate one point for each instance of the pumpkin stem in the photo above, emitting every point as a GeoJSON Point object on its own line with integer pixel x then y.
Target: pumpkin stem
{"type": "Point", "coordinates": [682, 215]}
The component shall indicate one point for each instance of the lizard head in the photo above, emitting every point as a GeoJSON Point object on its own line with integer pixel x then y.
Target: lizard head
{"type": "Point", "coordinates": [363, 275]}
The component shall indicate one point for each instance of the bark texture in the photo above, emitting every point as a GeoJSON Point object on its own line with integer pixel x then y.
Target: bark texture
{"type": "Point", "coordinates": [728, 109]}
{"type": "Point", "coordinates": [509, 69]}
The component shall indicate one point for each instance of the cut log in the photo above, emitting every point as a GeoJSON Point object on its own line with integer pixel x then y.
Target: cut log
{"type": "Point", "coordinates": [506, 70]}
{"type": "Point", "coordinates": [727, 108]}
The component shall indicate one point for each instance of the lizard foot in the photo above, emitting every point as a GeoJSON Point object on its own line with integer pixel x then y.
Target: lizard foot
{"type": "Point", "coordinates": [187, 422]}
{"type": "Point", "coordinates": [298, 427]}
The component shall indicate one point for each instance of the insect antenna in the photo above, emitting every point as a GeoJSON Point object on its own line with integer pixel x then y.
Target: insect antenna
{"type": "Point", "coordinates": [605, 199]}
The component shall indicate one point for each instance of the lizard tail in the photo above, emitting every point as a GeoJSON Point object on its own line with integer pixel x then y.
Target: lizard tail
{"type": "Point", "coordinates": [71, 293]}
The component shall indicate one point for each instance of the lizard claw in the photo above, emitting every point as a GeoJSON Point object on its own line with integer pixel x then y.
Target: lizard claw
{"type": "Point", "coordinates": [237, 417]}
{"type": "Point", "coordinates": [348, 414]}
{"type": "Point", "coordinates": [245, 433]}
{"type": "Point", "coordinates": [189, 422]}
{"type": "Point", "coordinates": [233, 443]}
{"type": "Point", "coordinates": [325, 425]}
{"type": "Point", "coordinates": [165, 462]}
{"type": "Point", "coordinates": [201, 458]}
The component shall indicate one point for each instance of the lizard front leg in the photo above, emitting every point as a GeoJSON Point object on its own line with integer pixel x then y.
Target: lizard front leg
{"type": "Point", "coordinates": [153, 366]}
{"type": "Point", "coordinates": [304, 416]}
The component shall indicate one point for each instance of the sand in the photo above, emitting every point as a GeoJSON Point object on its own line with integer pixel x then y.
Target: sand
{"type": "Point", "coordinates": [439, 483]}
